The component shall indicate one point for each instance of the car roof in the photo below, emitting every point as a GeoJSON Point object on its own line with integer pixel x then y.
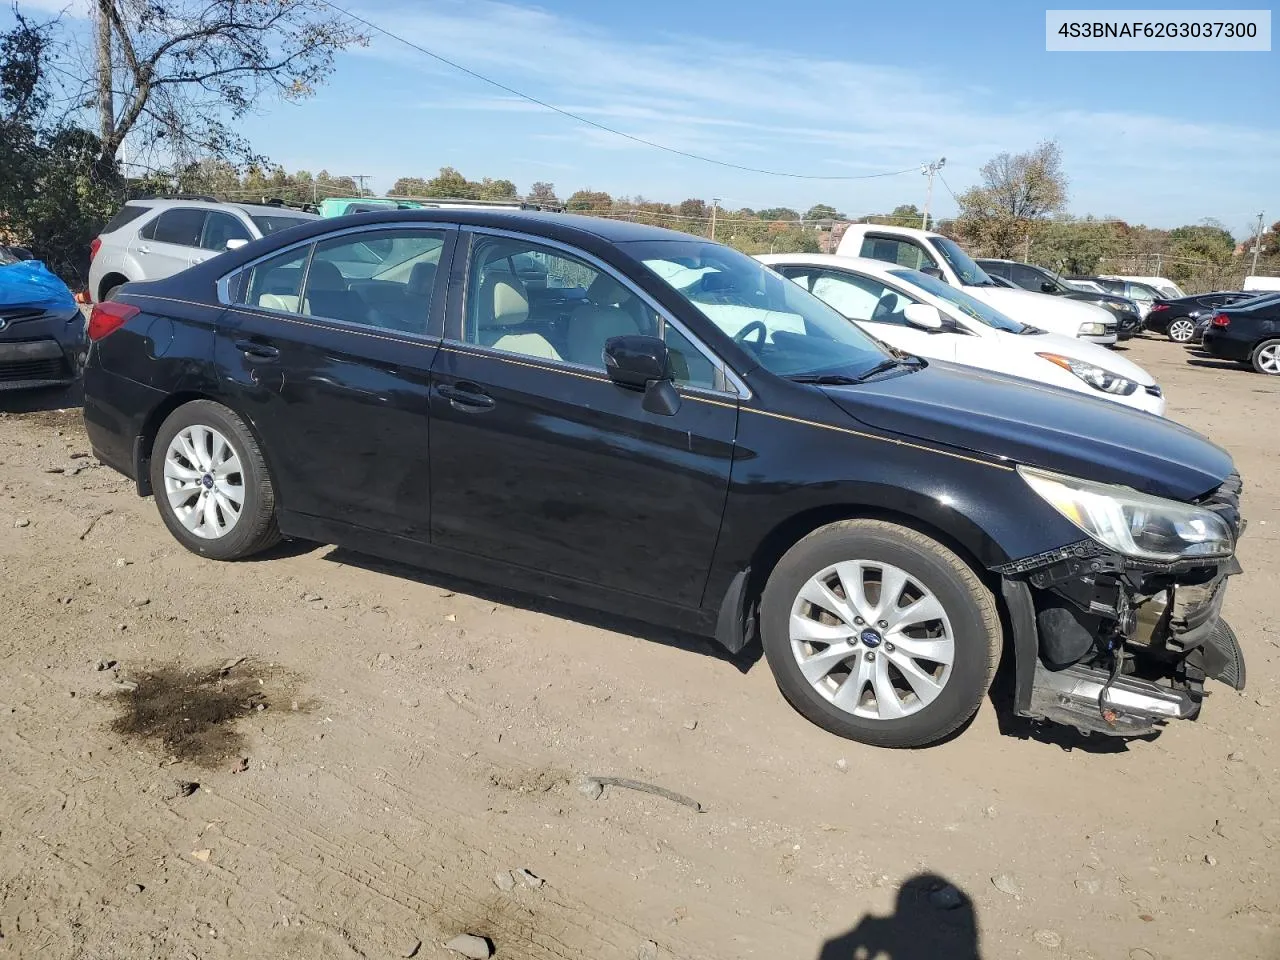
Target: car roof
{"type": "Point", "coordinates": [253, 209]}
{"type": "Point", "coordinates": [865, 264]}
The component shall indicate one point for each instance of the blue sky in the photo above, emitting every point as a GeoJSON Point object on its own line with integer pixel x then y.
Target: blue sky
{"type": "Point", "coordinates": [832, 87]}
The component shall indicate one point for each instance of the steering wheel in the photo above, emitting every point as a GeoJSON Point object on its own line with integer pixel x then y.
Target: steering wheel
{"type": "Point", "coordinates": [756, 327]}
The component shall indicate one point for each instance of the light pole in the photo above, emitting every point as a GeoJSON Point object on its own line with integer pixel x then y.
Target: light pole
{"type": "Point", "coordinates": [715, 203]}
{"type": "Point", "coordinates": [929, 169]}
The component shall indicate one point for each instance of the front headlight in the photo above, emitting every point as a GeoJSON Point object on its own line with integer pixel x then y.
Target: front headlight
{"type": "Point", "coordinates": [1092, 374]}
{"type": "Point", "coordinates": [1135, 524]}
{"type": "Point", "coordinates": [1092, 329]}
{"type": "Point", "coordinates": [1121, 306]}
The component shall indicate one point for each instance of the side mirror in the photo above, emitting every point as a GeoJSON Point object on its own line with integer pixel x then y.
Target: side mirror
{"type": "Point", "coordinates": [1047, 287]}
{"type": "Point", "coordinates": [924, 316]}
{"type": "Point", "coordinates": [236, 244]}
{"type": "Point", "coordinates": [643, 363]}
{"type": "Point", "coordinates": [932, 272]}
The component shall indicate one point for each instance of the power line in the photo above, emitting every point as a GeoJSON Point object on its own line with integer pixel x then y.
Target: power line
{"type": "Point", "coordinates": [593, 123]}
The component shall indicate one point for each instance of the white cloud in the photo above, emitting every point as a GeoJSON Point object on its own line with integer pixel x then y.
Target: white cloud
{"type": "Point", "coordinates": [784, 110]}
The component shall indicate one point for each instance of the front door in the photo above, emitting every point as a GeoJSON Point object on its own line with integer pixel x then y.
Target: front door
{"type": "Point", "coordinates": [330, 345]}
{"type": "Point", "coordinates": [166, 245]}
{"type": "Point", "coordinates": [539, 460]}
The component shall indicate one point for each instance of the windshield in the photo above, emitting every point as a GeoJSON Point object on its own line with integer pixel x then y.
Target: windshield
{"type": "Point", "coordinates": [786, 329]}
{"type": "Point", "coordinates": [970, 306]}
{"type": "Point", "coordinates": [270, 223]}
{"type": "Point", "coordinates": [970, 274]}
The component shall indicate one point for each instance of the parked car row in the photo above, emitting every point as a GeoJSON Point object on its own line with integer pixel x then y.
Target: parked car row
{"type": "Point", "coordinates": [658, 425]}
{"type": "Point", "coordinates": [1039, 280]}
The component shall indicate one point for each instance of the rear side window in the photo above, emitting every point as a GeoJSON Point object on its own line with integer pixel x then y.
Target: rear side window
{"type": "Point", "coordinates": [894, 250]}
{"type": "Point", "coordinates": [128, 213]}
{"type": "Point", "coordinates": [273, 284]}
{"type": "Point", "coordinates": [181, 226]}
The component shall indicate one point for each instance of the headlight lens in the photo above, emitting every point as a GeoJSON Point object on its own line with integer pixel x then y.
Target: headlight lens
{"type": "Point", "coordinates": [1119, 305]}
{"type": "Point", "coordinates": [1092, 374]}
{"type": "Point", "coordinates": [1132, 523]}
{"type": "Point", "coordinates": [1092, 329]}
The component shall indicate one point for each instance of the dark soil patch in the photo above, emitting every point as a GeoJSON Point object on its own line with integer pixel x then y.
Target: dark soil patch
{"type": "Point", "coordinates": [192, 714]}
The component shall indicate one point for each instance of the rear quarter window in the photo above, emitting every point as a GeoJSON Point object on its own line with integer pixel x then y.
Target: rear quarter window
{"type": "Point", "coordinates": [126, 216]}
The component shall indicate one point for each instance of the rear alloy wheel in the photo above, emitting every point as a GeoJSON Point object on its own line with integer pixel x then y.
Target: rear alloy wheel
{"type": "Point", "coordinates": [211, 483]}
{"type": "Point", "coordinates": [879, 633]}
{"type": "Point", "coordinates": [1181, 330]}
{"type": "Point", "coordinates": [1266, 357]}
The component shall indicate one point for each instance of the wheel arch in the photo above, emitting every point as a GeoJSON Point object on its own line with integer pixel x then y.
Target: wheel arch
{"type": "Point", "coordinates": [144, 443]}
{"type": "Point", "coordinates": [112, 279]}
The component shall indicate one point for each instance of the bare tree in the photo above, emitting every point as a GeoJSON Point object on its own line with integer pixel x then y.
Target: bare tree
{"type": "Point", "coordinates": [1018, 192]}
{"type": "Point", "coordinates": [182, 71]}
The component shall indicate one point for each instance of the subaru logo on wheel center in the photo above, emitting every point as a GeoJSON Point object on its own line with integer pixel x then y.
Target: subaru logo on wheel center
{"type": "Point", "coordinates": [871, 638]}
{"type": "Point", "coordinates": [207, 480]}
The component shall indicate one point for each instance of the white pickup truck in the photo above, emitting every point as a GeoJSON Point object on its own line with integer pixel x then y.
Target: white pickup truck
{"type": "Point", "coordinates": [941, 257]}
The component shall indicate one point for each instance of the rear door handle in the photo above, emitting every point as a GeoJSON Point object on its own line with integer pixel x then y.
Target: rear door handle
{"type": "Point", "coordinates": [465, 397]}
{"type": "Point", "coordinates": [257, 352]}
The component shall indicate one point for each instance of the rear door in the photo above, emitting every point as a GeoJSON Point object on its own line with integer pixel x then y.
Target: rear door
{"type": "Point", "coordinates": [540, 460]}
{"type": "Point", "coordinates": [337, 385]}
{"type": "Point", "coordinates": [166, 244]}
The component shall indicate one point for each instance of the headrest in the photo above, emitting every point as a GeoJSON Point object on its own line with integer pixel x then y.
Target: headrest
{"type": "Point", "coordinates": [422, 278]}
{"type": "Point", "coordinates": [324, 276]}
{"type": "Point", "coordinates": [605, 291]}
{"type": "Point", "coordinates": [504, 295]}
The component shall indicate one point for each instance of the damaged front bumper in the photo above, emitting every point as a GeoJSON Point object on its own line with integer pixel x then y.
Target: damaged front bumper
{"type": "Point", "coordinates": [1119, 646]}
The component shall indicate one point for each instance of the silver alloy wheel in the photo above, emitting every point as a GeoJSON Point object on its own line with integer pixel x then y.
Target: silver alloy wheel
{"type": "Point", "coordinates": [872, 639]}
{"type": "Point", "coordinates": [1181, 330]}
{"type": "Point", "coordinates": [204, 481]}
{"type": "Point", "coordinates": [1268, 359]}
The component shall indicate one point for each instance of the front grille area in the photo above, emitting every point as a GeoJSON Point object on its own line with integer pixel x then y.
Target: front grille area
{"type": "Point", "coordinates": [15, 314]}
{"type": "Point", "coordinates": [54, 369]}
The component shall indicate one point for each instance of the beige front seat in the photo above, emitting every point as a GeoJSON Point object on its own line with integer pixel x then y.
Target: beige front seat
{"type": "Point", "coordinates": [595, 322]}
{"type": "Point", "coordinates": [503, 304]}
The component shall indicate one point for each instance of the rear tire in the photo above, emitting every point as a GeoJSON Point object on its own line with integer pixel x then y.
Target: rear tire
{"type": "Point", "coordinates": [1266, 357]}
{"type": "Point", "coordinates": [876, 681]}
{"type": "Point", "coordinates": [1181, 330]}
{"type": "Point", "coordinates": [204, 460]}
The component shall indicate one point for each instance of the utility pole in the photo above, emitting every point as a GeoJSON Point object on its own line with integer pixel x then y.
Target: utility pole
{"type": "Point", "coordinates": [1026, 247]}
{"type": "Point", "coordinates": [929, 169]}
{"type": "Point", "coordinates": [1257, 247]}
{"type": "Point", "coordinates": [715, 204]}
{"type": "Point", "coordinates": [362, 177]}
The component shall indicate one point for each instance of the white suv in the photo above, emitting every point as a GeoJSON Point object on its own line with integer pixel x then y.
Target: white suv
{"type": "Point", "coordinates": [152, 239]}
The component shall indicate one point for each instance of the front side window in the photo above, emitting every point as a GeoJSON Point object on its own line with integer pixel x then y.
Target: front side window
{"type": "Point", "coordinates": [967, 304]}
{"type": "Point", "coordinates": [786, 329]}
{"type": "Point", "coordinates": [539, 301]}
{"type": "Point", "coordinates": [1027, 277]}
{"type": "Point", "coordinates": [379, 278]}
{"type": "Point", "coordinates": [904, 253]}
{"type": "Point", "coordinates": [861, 298]}
{"type": "Point", "coordinates": [220, 229]}
{"type": "Point", "coordinates": [180, 225]}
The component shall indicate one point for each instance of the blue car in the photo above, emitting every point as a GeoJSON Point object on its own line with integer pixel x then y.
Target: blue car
{"type": "Point", "coordinates": [42, 332]}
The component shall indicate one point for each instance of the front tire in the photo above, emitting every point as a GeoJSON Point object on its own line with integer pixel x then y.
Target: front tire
{"type": "Point", "coordinates": [1266, 357]}
{"type": "Point", "coordinates": [1181, 330]}
{"type": "Point", "coordinates": [880, 634]}
{"type": "Point", "coordinates": [211, 483]}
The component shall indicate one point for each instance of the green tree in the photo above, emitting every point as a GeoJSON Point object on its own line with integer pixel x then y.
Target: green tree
{"type": "Point", "coordinates": [408, 187]}
{"type": "Point", "coordinates": [779, 213]}
{"type": "Point", "coordinates": [1075, 246]}
{"type": "Point", "coordinates": [823, 211]}
{"type": "Point", "coordinates": [451, 184]}
{"type": "Point", "coordinates": [588, 201]}
{"type": "Point", "coordinates": [496, 190]}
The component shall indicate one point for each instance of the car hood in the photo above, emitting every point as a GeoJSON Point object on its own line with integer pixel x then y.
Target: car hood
{"type": "Point", "coordinates": [1042, 426]}
{"type": "Point", "coordinates": [1056, 314]}
{"type": "Point", "coordinates": [1079, 349]}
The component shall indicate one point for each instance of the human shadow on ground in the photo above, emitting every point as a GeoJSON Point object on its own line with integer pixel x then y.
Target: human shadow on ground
{"type": "Point", "coordinates": [932, 919]}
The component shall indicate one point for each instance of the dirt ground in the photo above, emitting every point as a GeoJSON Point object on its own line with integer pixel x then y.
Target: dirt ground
{"type": "Point", "coordinates": [395, 743]}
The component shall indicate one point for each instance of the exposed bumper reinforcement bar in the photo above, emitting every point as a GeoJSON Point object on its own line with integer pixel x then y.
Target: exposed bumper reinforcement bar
{"type": "Point", "coordinates": [1133, 707]}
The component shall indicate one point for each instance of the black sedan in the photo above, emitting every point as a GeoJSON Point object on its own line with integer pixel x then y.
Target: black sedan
{"type": "Point", "coordinates": [1177, 318]}
{"type": "Point", "coordinates": [1247, 332]}
{"type": "Point", "coordinates": [1039, 280]}
{"type": "Point", "coordinates": [670, 430]}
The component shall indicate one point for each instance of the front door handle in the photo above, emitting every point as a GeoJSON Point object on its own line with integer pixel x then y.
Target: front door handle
{"type": "Point", "coordinates": [465, 397]}
{"type": "Point", "coordinates": [257, 352]}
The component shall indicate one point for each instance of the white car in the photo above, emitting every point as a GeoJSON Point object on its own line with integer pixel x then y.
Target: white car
{"type": "Point", "coordinates": [1166, 288]}
{"type": "Point", "coordinates": [921, 315]}
{"type": "Point", "coordinates": [941, 257]}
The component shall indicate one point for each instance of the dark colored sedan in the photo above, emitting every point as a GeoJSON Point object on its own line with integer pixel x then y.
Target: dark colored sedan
{"type": "Point", "coordinates": [678, 434]}
{"type": "Point", "coordinates": [1247, 332]}
{"type": "Point", "coordinates": [42, 332]}
{"type": "Point", "coordinates": [1039, 280]}
{"type": "Point", "coordinates": [1177, 318]}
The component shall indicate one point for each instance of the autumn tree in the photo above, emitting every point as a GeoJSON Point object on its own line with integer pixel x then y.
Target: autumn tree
{"type": "Point", "coordinates": [543, 192]}
{"type": "Point", "coordinates": [176, 75]}
{"type": "Point", "coordinates": [495, 190]}
{"type": "Point", "coordinates": [451, 184]}
{"type": "Point", "coordinates": [587, 201]}
{"type": "Point", "coordinates": [1018, 192]}
{"type": "Point", "coordinates": [408, 187]}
